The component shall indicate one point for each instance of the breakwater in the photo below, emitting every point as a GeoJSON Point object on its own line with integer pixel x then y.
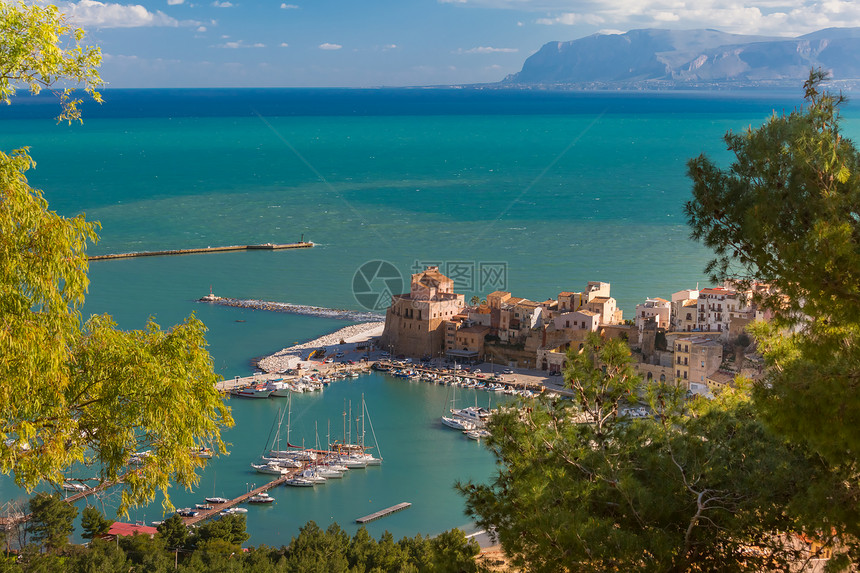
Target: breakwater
{"type": "Point", "coordinates": [341, 314]}
{"type": "Point", "coordinates": [262, 247]}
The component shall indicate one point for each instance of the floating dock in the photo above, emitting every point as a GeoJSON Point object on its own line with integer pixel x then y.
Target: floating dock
{"type": "Point", "coordinates": [263, 247]}
{"type": "Point", "coordinates": [384, 512]}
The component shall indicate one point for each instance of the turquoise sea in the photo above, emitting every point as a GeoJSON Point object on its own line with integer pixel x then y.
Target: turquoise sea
{"type": "Point", "coordinates": [547, 190]}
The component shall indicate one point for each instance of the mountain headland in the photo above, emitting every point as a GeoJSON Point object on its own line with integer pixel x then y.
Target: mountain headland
{"type": "Point", "coordinates": [691, 59]}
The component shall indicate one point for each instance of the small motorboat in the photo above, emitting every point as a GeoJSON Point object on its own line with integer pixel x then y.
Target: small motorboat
{"type": "Point", "coordinates": [261, 498]}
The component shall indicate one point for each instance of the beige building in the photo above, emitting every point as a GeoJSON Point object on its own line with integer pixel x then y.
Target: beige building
{"type": "Point", "coordinates": [657, 309]}
{"type": "Point", "coordinates": [578, 320]}
{"type": "Point", "coordinates": [695, 358]}
{"type": "Point", "coordinates": [469, 343]}
{"type": "Point", "coordinates": [415, 321]}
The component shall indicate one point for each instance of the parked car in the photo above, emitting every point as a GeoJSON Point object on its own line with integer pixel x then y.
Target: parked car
{"type": "Point", "coordinates": [507, 371]}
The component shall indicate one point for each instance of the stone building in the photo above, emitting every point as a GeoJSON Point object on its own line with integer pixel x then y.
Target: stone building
{"type": "Point", "coordinates": [415, 321]}
{"type": "Point", "coordinates": [696, 358]}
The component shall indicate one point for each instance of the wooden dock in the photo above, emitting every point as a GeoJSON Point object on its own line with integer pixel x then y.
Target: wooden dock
{"type": "Point", "coordinates": [263, 247]}
{"type": "Point", "coordinates": [384, 512]}
{"type": "Point", "coordinates": [218, 508]}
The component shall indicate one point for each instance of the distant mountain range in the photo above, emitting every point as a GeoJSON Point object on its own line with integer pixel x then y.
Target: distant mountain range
{"type": "Point", "coordinates": [653, 58]}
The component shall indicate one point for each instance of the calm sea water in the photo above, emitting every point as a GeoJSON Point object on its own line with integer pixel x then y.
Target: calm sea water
{"type": "Point", "coordinates": [554, 189]}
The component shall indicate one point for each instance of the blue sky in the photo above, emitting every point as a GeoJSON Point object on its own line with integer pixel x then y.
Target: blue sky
{"type": "Point", "coordinates": [367, 43]}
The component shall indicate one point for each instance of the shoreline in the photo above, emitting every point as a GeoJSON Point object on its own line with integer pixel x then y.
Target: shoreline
{"type": "Point", "coordinates": [352, 336]}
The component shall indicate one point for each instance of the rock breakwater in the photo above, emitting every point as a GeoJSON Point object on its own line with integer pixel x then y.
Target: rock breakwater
{"type": "Point", "coordinates": [340, 314]}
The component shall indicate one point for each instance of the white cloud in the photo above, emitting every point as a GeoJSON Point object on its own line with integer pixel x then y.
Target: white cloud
{"type": "Point", "coordinates": [286, 6]}
{"type": "Point", "coordinates": [766, 17]}
{"type": "Point", "coordinates": [174, 2]}
{"type": "Point", "coordinates": [567, 19]}
{"type": "Point", "coordinates": [327, 46]}
{"type": "Point", "coordinates": [240, 44]}
{"type": "Point", "coordinates": [222, 4]}
{"type": "Point", "coordinates": [487, 50]}
{"type": "Point", "coordinates": [201, 29]}
{"type": "Point", "coordinates": [285, 45]}
{"type": "Point", "coordinates": [107, 15]}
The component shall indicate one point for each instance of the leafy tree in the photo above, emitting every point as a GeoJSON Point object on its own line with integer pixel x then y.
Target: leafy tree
{"type": "Point", "coordinates": [584, 487]}
{"type": "Point", "coordinates": [174, 532]}
{"type": "Point", "coordinates": [94, 523]}
{"type": "Point", "coordinates": [51, 520]}
{"type": "Point", "coordinates": [100, 557]}
{"type": "Point", "coordinates": [39, 50]}
{"type": "Point", "coordinates": [787, 212]}
{"type": "Point", "coordinates": [451, 551]}
{"type": "Point", "coordinates": [318, 550]}
{"type": "Point", "coordinates": [229, 531]}
{"type": "Point", "coordinates": [76, 392]}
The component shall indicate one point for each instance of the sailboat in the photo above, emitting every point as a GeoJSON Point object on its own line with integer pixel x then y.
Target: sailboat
{"type": "Point", "coordinates": [455, 421]}
{"type": "Point", "coordinates": [274, 464]}
{"type": "Point", "coordinates": [355, 455]}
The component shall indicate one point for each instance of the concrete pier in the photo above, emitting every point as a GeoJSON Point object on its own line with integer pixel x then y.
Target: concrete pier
{"type": "Point", "coordinates": [263, 247]}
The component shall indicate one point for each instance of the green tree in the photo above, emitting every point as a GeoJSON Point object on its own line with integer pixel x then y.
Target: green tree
{"type": "Point", "coordinates": [94, 523]}
{"type": "Point", "coordinates": [76, 392]}
{"type": "Point", "coordinates": [317, 550]}
{"type": "Point", "coordinates": [228, 533]}
{"type": "Point", "coordinates": [51, 520]}
{"type": "Point", "coordinates": [99, 557]}
{"type": "Point", "coordinates": [174, 532]}
{"type": "Point", "coordinates": [584, 486]}
{"type": "Point", "coordinates": [40, 50]}
{"type": "Point", "coordinates": [787, 212]}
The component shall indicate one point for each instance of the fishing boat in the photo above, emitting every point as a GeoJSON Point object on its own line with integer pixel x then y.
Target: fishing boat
{"type": "Point", "coordinates": [203, 506]}
{"type": "Point", "coordinates": [261, 498]}
{"type": "Point", "coordinates": [256, 391]}
{"type": "Point", "coordinates": [234, 510]}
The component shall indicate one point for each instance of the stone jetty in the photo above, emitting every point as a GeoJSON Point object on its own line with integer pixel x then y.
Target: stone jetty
{"type": "Point", "coordinates": [340, 314]}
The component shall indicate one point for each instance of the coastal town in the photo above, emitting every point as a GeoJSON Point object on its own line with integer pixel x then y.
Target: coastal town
{"type": "Point", "coordinates": [682, 339]}
{"type": "Point", "coordinates": [696, 338]}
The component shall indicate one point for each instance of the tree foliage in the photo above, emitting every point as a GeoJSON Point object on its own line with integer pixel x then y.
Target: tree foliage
{"type": "Point", "coordinates": [51, 520]}
{"type": "Point", "coordinates": [40, 50]}
{"type": "Point", "coordinates": [94, 523]}
{"type": "Point", "coordinates": [787, 212]}
{"type": "Point", "coordinates": [77, 392]}
{"type": "Point", "coordinates": [585, 486]}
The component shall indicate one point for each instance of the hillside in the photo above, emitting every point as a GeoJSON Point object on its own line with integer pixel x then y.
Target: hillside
{"type": "Point", "coordinates": [690, 58]}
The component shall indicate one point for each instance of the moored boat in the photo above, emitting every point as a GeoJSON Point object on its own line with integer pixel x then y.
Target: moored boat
{"type": "Point", "coordinates": [261, 498]}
